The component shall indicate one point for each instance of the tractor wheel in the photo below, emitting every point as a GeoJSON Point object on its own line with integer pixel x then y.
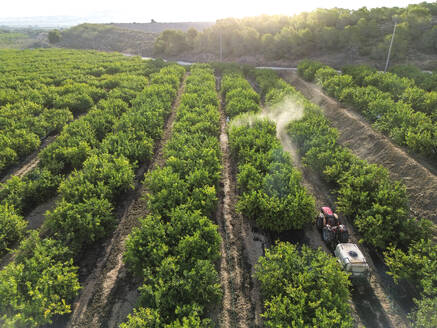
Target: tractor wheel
{"type": "Point", "coordinates": [319, 223]}
{"type": "Point", "coordinates": [326, 235]}
{"type": "Point", "coordinates": [344, 236]}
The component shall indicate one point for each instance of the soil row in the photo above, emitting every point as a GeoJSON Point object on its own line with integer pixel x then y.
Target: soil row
{"type": "Point", "coordinates": [240, 249]}
{"type": "Point", "coordinates": [109, 292]}
{"type": "Point", "coordinates": [358, 135]}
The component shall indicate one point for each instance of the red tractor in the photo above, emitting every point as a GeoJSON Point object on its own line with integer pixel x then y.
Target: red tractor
{"type": "Point", "coordinates": [333, 232]}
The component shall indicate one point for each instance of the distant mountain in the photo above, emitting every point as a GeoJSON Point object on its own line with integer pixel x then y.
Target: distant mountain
{"type": "Point", "coordinates": [49, 22]}
{"type": "Point", "coordinates": [160, 27]}
{"type": "Point", "coordinates": [43, 21]}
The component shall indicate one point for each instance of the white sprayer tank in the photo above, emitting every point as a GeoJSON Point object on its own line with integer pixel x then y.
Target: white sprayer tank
{"type": "Point", "coordinates": [352, 260]}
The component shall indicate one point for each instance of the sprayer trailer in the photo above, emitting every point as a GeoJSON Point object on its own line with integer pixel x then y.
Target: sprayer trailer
{"type": "Point", "coordinates": [352, 260]}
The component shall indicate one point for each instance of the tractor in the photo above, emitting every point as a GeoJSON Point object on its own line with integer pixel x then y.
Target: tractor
{"type": "Point", "coordinates": [333, 232]}
{"type": "Point", "coordinates": [336, 236]}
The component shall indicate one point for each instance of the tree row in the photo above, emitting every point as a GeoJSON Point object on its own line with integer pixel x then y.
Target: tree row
{"type": "Point", "coordinates": [175, 250]}
{"type": "Point", "coordinates": [376, 205]}
{"type": "Point", "coordinates": [42, 280]}
{"type": "Point", "coordinates": [395, 106]}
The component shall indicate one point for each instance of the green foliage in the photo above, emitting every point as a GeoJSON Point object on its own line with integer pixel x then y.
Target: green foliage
{"type": "Point", "coordinates": [12, 227]}
{"type": "Point", "coordinates": [307, 69]}
{"type": "Point", "coordinates": [266, 80]}
{"type": "Point", "coordinates": [238, 95]}
{"type": "Point", "coordinates": [271, 193]}
{"type": "Point", "coordinates": [79, 225]}
{"type": "Point", "coordinates": [388, 82]}
{"type": "Point", "coordinates": [171, 42]}
{"type": "Point", "coordinates": [417, 264]}
{"type": "Point", "coordinates": [39, 97]}
{"type": "Point", "coordinates": [41, 282]}
{"type": "Point", "coordinates": [316, 33]}
{"type": "Point", "coordinates": [77, 103]}
{"type": "Point", "coordinates": [426, 314]}
{"type": "Point", "coordinates": [27, 192]}
{"type": "Point", "coordinates": [149, 318]}
{"type": "Point", "coordinates": [377, 206]}
{"type": "Point", "coordinates": [143, 318]}
{"type": "Point", "coordinates": [54, 36]}
{"type": "Point", "coordinates": [175, 247]}
{"type": "Point", "coordinates": [358, 72]}
{"type": "Point", "coordinates": [335, 85]}
{"type": "Point", "coordinates": [324, 73]}
{"type": "Point", "coordinates": [175, 289]}
{"type": "Point", "coordinates": [424, 80]}
{"type": "Point", "coordinates": [394, 104]}
{"type": "Point", "coordinates": [277, 94]}
{"type": "Point", "coordinates": [269, 187]}
{"type": "Point", "coordinates": [38, 285]}
{"type": "Point", "coordinates": [303, 288]}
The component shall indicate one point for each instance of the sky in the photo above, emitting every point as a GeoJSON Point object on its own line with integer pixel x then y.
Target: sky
{"type": "Point", "coordinates": [177, 11]}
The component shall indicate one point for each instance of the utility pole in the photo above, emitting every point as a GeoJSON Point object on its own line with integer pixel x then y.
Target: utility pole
{"type": "Point", "coordinates": [391, 44]}
{"type": "Point", "coordinates": [221, 46]}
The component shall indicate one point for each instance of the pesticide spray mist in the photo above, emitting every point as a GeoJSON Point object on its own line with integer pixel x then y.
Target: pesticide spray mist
{"type": "Point", "coordinates": [282, 114]}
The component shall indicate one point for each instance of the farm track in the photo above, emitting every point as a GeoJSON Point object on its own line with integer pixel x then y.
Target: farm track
{"type": "Point", "coordinates": [109, 292]}
{"type": "Point", "coordinates": [240, 249]}
{"type": "Point", "coordinates": [371, 306]}
{"type": "Point", "coordinates": [29, 163]}
{"type": "Point", "coordinates": [358, 135]}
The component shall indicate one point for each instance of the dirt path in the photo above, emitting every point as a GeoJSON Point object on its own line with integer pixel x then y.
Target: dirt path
{"type": "Point", "coordinates": [29, 163]}
{"type": "Point", "coordinates": [371, 306]}
{"type": "Point", "coordinates": [365, 142]}
{"type": "Point", "coordinates": [240, 249]}
{"type": "Point", "coordinates": [109, 293]}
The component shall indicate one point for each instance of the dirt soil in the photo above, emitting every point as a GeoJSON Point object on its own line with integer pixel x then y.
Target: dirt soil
{"type": "Point", "coordinates": [29, 163]}
{"type": "Point", "coordinates": [358, 135]}
{"type": "Point", "coordinates": [109, 291]}
{"type": "Point", "coordinates": [371, 305]}
{"type": "Point", "coordinates": [240, 249]}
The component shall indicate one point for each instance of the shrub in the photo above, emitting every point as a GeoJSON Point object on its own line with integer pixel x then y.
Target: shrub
{"type": "Point", "coordinates": [294, 291]}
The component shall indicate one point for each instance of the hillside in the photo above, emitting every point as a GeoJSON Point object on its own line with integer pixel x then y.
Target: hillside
{"type": "Point", "coordinates": [107, 38]}
{"type": "Point", "coordinates": [21, 38]}
{"type": "Point", "coordinates": [335, 36]}
{"type": "Point", "coordinates": [132, 38]}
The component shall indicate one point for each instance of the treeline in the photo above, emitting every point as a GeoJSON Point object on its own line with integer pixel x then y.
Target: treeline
{"type": "Point", "coordinates": [364, 32]}
{"type": "Point", "coordinates": [175, 250]}
{"type": "Point", "coordinates": [376, 205]}
{"type": "Point", "coordinates": [395, 105]}
{"type": "Point", "coordinates": [104, 148]}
